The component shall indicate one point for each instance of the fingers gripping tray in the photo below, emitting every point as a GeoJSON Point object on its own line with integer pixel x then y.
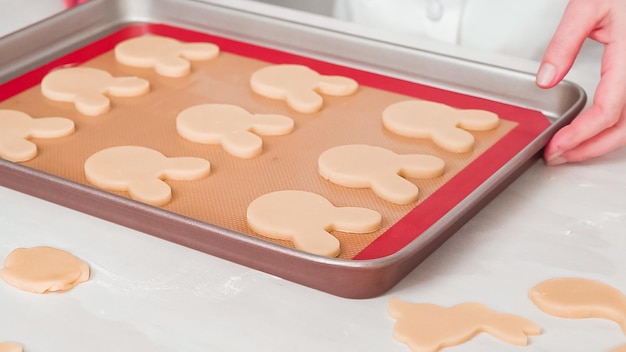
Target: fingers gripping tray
{"type": "Point", "coordinates": [202, 186]}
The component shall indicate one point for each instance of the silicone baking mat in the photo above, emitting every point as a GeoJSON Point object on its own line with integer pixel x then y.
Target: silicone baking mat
{"type": "Point", "coordinates": [287, 162]}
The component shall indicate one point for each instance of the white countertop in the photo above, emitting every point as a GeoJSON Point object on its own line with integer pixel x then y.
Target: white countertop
{"type": "Point", "coordinates": [146, 294]}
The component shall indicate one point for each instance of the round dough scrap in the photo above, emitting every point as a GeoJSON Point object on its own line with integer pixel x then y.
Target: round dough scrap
{"type": "Point", "coordinates": [305, 219]}
{"type": "Point", "coordinates": [426, 327]}
{"type": "Point", "coordinates": [578, 298]}
{"type": "Point", "coordinates": [10, 347]}
{"type": "Point", "coordinates": [43, 269]}
{"type": "Point", "coordinates": [234, 128]}
{"type": "Point", "coordinates": [168, 56]}
{"type": "Point", "coordinates": [366, 166]}
{"type": "Point", "coordinates": [17, 127]}
{"type": "Point", "coordinates": [87, 88]}
{"type": "Point", "coordinates": [299, 86]}
{"type": "Point", "coordinates": [141, 172]}
{"type": "Point", "coordinates": [446, 126]}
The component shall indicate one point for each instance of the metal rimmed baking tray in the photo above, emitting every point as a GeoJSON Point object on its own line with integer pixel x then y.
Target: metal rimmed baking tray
{"type": "Point", "coordinates": [77, 36]}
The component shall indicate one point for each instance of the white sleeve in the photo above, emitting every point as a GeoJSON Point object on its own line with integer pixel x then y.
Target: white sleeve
{"type": "Point", "coordinates": [514, 28]}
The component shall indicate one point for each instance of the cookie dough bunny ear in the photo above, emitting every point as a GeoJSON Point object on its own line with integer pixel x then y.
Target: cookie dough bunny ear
{"type": "Point", "coordinates": [150, 190]}
{"type": "Point", "coordinates": [271, 124]}
{"type": "Point", "coordinates": [336, 85]}
{"type": "Point", "coordinates": [94, 102]}
{"type": "Point", "coordinates": [156, 191]}
{"type": "Point", "coordinates": [175, 62]}
{"type": "Point", "coordinates": [246, 143]}
{"type": "Point", "coordinates": [317, 241]}
{"type": "Point", "coordinates": [355, 219]}
{"type": "Point", "coordinates": [199, 51]}
{"type": "Point", "coordinates": [127, 86]}
{"type": "Point", "coordinates": [185, 168]}
{"type": "Point", "coordinates": [477, 120]}
{"type": "Point", "coordinates": [390, 183]}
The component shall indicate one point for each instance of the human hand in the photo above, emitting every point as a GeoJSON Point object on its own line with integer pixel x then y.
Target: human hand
{"type": "Point", "coordinates": [602, 127]}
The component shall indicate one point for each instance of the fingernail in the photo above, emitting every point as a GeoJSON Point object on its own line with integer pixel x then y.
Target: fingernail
{"type": "Point", "coordinates": [556, 161]}
{"type": "Point", "coordinates": [545, 75]}
{"type": "Point", "coordinates": [555, 158]}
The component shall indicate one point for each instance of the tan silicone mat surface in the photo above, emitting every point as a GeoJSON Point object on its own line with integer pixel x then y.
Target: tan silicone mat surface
{"type": "Point", "coordinates": [287, 162]}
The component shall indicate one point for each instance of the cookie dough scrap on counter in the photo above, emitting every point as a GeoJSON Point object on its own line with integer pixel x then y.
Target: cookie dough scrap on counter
{"type": "Point", "coordinates": [169, 57]}
{"type": "Point", "coordinates": [579, 298]}
{"type": "Point", "coordinates": [10, 347]}
{"type": "Point", "coordinates": [88, 88]}
{"type": "Point", "coordinates": [141, 171]}
{"type": "Point", "coordinates": [447, 127]}
{"type": "Point", "coordinates": [382, 170]}
{"type": "Point", "coordinates": [619, 349]}
{"type": "Point", "coordinates": [16, 128]}
{"type": "Point", "coordinates": [43, 269]}
{"type": "Point", "coordinates": [305, 218]}
{"type": "Point", "coordinates": [300, 86]}
{"type": "Point", "coordinates": [231, 126]}
{"type": "Point", "coordinates": [426, 327]}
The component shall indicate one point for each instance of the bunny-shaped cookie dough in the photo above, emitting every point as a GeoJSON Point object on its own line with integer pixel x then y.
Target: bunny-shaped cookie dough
{"type": "Point", "coordinates": [168, 56]}
{"type": "Point", "coordinates": [299, 86]}
{"type": "Point", "coordinates": [366, 166]}
{"type": "Point", "coordinates": [305, 219]}
{"type": "Point", "coordinates": [87, 88]}
{"type": "Point", "coordinates": [233, 127]}
{"type": "Point", "coordinates": [445, 126]}
{"type": "Point", "coordinates": [141, 172]}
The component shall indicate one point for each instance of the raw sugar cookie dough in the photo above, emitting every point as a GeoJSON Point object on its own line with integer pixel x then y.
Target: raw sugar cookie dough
{"type": "Point", "coordinates": [447, 127]}
{"type": "Point", "coordinates": [428, 327]}
{"type": "Point", "coordinates": [619, 349]}
{"type": "Point", "coordinates": [169, 57]}
{"type": "Point", "coordinates": [578, 298]}
{"type": "Point", "coordinates": [366, 166]}
{"type": "Point", "coordinates": [231, 126]}
{"type": "Point", "coordinates": [10, 347]}
{"type": "Point", "coordinates": [141, 171]}
{"type": "Point", "coordinates": [43, 269]}
{"type": "Point", "coordinates": [88, 88]}
{"type": "Point", "coordinates": [17, 128]}
{"type": "Point", "coordinates": [300, 86]}
{"type": "Point", "coordinates": [306, 218]}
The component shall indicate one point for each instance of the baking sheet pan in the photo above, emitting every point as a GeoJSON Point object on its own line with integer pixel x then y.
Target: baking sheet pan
{"type": "Point", "coordinates": [364, 275]}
